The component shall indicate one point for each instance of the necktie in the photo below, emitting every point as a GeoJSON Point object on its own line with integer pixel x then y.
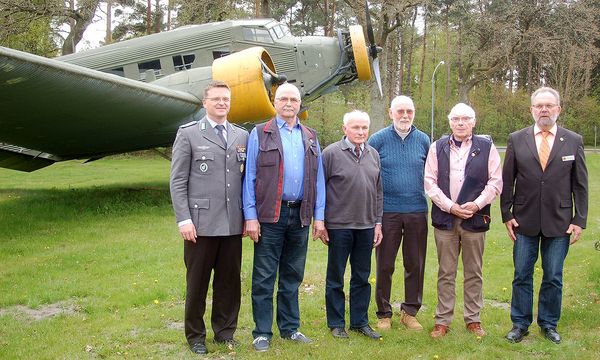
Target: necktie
{"type": "Point", "coordinates": [220, 129]}
{"type": "Point", "coordinates": [357, 151]}
{"type": "Point", "coordinates": [544, 150]}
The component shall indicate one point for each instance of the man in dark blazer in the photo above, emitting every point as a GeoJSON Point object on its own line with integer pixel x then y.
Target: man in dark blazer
{"type": "Point", "coordinates": [544, 206]}
{"type": "Point", "coordinates": [207, 169]}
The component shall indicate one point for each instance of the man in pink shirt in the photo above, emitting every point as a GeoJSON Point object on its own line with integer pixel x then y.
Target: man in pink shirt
{"type": "Point", "coordinates": [463, 176]}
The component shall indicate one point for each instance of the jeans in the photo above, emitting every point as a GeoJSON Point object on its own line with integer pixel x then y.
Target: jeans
{"type": "Point", "coordinates": [525, 253]}
{"type": "Point", "coordinates": [358, 245]}
{"type": "Point", "coordinates": [282, 246]}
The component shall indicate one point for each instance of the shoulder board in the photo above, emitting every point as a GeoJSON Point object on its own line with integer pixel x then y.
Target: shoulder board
{"type": "Point", "coordinates": [240, 127]}
{"type": "Point", "coordinates": [188, 124]}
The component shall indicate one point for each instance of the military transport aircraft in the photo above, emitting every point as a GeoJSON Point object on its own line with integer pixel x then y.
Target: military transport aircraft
{"type": "Point", "coordinates": [133, 95]}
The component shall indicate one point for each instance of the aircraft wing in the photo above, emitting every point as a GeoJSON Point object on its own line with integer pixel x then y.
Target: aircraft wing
{"type": "Point", "coordinates": [52, 111]}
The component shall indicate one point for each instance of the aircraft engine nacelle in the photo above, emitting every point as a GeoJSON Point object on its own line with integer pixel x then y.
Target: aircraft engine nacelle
{"type": "Point", "coordinates": [251, 76]}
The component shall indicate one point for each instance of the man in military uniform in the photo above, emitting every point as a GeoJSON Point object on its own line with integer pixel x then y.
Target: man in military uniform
{"type": "Point", "coordinates": [207, 169]}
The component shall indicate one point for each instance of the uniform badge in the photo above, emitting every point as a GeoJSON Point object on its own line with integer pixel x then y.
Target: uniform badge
{"type": "Point", "coordinates": [204, 167]}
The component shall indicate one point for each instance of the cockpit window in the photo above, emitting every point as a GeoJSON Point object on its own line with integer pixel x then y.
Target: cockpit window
{"type": "Point", "coordinates": [278, 31]}
{"type": "Point", "coordinates": [286, 30]}
{"type": "Point", "coordinates": [258, 35]}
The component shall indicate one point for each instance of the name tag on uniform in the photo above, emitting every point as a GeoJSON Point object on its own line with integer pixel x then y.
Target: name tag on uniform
{"type": "Point", "coordinates": [568, 158]}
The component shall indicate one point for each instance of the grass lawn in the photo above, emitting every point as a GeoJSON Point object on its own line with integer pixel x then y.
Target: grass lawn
{"type": "Point", "coordinates": [91, 266]}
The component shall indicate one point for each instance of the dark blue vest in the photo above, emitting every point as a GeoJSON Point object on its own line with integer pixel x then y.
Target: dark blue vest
{"type": "Point", "coordinates": [476, 177]}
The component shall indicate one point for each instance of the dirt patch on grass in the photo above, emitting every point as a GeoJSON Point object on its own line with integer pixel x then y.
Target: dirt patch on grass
{"type": "Point", "coordinates": [498, 304]}
{"type": "Point", "coordinates": [42, 312]}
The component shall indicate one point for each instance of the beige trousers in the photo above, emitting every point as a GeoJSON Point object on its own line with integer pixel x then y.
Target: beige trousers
{"type": "Point", "coordinates": [449, 244]}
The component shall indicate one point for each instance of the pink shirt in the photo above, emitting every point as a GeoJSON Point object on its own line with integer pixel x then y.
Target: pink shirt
{"type": "Point", "coordinates": [538, 136]}
{"type": "Point", "coordinates": [458, 160]}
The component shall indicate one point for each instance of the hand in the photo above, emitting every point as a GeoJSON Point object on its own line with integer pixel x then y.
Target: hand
{"type": "Point", "coordinates": [188, 232]}
{"type": "Point", "coordinates": [576, 231]}
{"type": "Point", "coordinates": [319, 231]}
{"type": "Point", "coordinates": [471, 206]}
{"type": "Point", "coordinates": [378, 235]}
{"type": "Point", "coordinates": [510, 226]}
{"type": "Point", "coordinates": [457, 210]}
{"type": "Point", "coordinates": [253, 229]}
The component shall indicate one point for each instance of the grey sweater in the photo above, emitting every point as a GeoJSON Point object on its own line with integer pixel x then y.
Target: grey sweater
{"type": "Point", "coordinates": [354, 190]}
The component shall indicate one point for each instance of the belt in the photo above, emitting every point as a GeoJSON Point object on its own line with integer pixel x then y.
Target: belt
{"type": "Point", "coordinates": [292, 204]}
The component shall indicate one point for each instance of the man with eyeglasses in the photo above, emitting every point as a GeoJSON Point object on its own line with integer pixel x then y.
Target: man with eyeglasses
{"type": "Point", "coordinates": [284, 189]}
{"type": "Point", "coordinates": [207, 169]}
{"type": "Point", "coordinates": [544, 206]}
{"type": "Point", "coordinates": [463, 176]}
{"type": "Point", "coordinates": [403, 150]}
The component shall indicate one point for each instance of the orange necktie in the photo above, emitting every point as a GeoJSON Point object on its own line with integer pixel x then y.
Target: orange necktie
{"type": "Point", "coordinates": [544, 149]}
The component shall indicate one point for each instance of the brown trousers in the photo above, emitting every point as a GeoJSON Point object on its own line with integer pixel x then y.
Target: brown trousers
{"type": "Point", "coordinates": [223, 254]}
{"type": "Point", "coordinates": [449, 244]}
{"type": "Point", "coordinates": [410, 230]}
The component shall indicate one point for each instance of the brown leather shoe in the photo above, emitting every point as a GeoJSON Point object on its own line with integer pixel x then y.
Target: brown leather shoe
{"type": "Point", "coordinates": [384, 323]}
{"type": "Point", "coordinates": [410, 321]}
{"type": "Point", "coordinates": [476, 329]}
{"type": "Point", "coordinates": [439, 331]}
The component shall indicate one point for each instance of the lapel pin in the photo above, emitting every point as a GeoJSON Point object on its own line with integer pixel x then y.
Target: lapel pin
{"type": "Point", "coordinates": [562, 139]}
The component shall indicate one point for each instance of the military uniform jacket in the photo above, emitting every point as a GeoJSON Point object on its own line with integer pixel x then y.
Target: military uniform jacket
{"type": "Point", "coordinates": [206, 178]}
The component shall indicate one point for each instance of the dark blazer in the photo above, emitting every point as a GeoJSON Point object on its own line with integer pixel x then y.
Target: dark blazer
{"type": "Point", "coordinates": [547, 201]}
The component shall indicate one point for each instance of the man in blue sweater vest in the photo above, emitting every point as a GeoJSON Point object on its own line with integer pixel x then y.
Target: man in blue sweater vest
{"type": "Point", "coordinates": [403, 151]}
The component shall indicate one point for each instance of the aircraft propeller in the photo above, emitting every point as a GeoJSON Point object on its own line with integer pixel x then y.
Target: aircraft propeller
{"type": "Point", "coordinates": [373, 49]}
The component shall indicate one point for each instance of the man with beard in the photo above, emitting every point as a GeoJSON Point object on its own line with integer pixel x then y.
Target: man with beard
{"type": "Point", "coordinates": [544, 207]}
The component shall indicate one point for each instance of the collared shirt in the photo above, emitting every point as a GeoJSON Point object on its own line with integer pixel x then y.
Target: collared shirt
{"type": "Point", "coordinates": [538, 136]}
{"type": "Point", "coordinates": [401, 134]}
{"type": "Point", "coordinates": [213, 124]}
{"type": "Point", "coordinates": [353, 146]}
{"type": "Point", "coordinates": [293, 170]}
{"type": "Point", "coordinates": [458, 161]}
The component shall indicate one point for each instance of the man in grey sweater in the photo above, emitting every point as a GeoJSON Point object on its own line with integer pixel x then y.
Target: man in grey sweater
{"type": "Point", "coordinates": [351, 168]}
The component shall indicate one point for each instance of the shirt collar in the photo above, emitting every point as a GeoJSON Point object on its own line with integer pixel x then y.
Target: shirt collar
{"type": "Point", "coordinates": [465, 141]}
{"type": "Point", "coordinates": [351, 145]}
{"type": "Point", "coordinates": [537, 130]}
{"type": "Point", "coordinates": [213, 123]}
{"type": "Point", "coordinates": [281, 123]}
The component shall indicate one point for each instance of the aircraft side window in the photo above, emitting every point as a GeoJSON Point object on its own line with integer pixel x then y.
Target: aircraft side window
{"type": "Point", "coordinates": [150, 65]}
{"type": "Point", "coordinates": [219, 54]}
{"type": "Point", "coordinates": [181, 62]}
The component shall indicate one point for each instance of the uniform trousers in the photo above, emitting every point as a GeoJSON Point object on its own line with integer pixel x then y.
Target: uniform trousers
{"type": "Point", "coordinates": [223, 255]}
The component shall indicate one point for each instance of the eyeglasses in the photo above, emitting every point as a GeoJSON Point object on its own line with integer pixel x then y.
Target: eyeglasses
{"type": "Point", "coordinates": [541, 106]}
{"type": "Point", "coordinates": [404, 111]}
{"type": "Point", "coordinates": [286, 99]}
{"type": "Point", "coordinates": [459, 118]}
{"type": "Point", "coordinates": [219, 99]}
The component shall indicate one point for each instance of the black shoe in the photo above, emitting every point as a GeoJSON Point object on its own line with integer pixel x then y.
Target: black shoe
{"type": "Point", "coordinates": [367, 331]}
{"type": "Point", "coordinates": [551, 334]}
{"type": "Point", "coordinates": [199, 348]}
{"type": "Point", "coordinates": [516, 334]}
{"type": "Point", "coordinates": [339, 333]}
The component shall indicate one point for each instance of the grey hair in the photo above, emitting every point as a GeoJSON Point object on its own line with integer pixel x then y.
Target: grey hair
{"type": "Point", "coordinates": [462, 109]}
{"type": "Point", "coordinates": [546, 89]}
{"type": "Point", "coordinates": [356, 115]}
{"type": "Point", "coordinates": [402, 99]}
